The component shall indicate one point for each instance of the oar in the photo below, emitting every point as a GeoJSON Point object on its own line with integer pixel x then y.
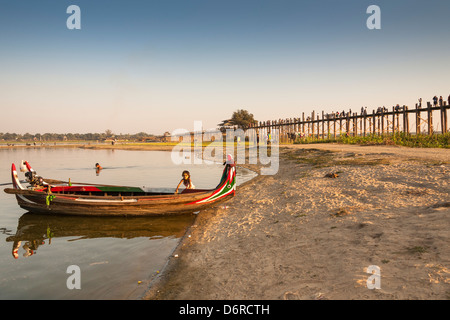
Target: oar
{"type": "Point", "coordinates": [8, 183]}
{"type": "Point", "coordinates": [53, 181]}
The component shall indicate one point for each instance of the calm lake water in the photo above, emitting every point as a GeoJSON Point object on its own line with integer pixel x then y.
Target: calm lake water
{"type": "Point", "coordinates": [114, 254]}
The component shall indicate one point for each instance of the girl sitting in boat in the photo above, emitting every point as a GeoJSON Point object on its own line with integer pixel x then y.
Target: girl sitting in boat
{"type": "Point", "coordinates": [186, 181]}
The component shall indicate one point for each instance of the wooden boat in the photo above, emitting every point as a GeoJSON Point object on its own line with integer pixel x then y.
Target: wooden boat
{"type": "Point", "coordinates": [46, 196]}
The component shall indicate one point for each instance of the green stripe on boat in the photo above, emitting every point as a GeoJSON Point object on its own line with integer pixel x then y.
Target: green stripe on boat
{"type": "Point", "coordinates": [119, 189]}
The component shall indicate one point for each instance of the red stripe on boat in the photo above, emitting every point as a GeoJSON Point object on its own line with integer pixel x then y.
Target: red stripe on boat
{"type": "Point", "coordinates": [75, 189]}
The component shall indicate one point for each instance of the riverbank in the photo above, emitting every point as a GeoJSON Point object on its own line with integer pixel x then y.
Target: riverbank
{"type": "Point", "coordinates": [312, 230]}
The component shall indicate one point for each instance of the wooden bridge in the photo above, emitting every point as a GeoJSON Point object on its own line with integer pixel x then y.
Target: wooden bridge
{"type": "Point", "coordinates": [418, 120]}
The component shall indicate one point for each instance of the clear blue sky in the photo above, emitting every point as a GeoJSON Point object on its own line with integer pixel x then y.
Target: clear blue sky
{"type": "Point", "coordinates": [154, 66]}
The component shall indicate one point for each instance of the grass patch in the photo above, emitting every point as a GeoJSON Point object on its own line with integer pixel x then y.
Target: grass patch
{"type": "Point", "coordinates": [362, 162]}
{"type": "Point", "coordinates": [417, 249]}
{"type": "Point", "coordinates": [400, 139]}
{"type": "Point", "coordinates": [313, 157]}
{"type": "Point", "coordinates": [325, 158]}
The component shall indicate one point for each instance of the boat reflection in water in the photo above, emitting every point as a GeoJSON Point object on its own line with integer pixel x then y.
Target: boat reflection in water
{"type": "Point", "coordinates": [35, 230]}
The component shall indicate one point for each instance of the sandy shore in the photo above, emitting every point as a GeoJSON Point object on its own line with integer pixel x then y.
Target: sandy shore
{"type": "Point", "coordinates": [312, 230]}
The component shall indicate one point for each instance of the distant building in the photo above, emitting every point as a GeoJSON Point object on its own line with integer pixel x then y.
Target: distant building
{"type": "Point", "coordinates": [226, 124]}
{"type": "Point", "coordinates": [167, 137]}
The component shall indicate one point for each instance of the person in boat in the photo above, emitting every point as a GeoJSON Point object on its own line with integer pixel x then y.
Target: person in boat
{"type": "Point", "coordinates": [186, 181]}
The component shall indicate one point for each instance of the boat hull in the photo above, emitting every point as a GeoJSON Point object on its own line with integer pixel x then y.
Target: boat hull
{"type": "Point", "coordinates": [86, 201]}
{"type": "Point", "coordinates": [118, 208]}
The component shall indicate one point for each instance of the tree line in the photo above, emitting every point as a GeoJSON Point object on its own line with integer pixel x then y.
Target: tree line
{"type": "Point", "coordinates": [73, 136]}
{"type": "Point", "coordinates": [240, 118]}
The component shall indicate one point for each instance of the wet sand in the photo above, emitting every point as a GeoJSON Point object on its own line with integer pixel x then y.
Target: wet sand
{"type": "Point", "coordinates": [311, 231]}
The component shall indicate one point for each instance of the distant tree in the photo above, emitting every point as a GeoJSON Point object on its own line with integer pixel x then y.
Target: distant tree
{"type": "Point", "coordinates": [46, 136]}
{"type": "Point", "coordinates": [241, 119]}
{"type": "Point", "coordinates": [27, 136]}
{"type": "Point", "coordinates": [141, 135]}
{"type": "Point", "coordinates": [10, 136]}
{"type": "Point", "coordinates": [108, 133]}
